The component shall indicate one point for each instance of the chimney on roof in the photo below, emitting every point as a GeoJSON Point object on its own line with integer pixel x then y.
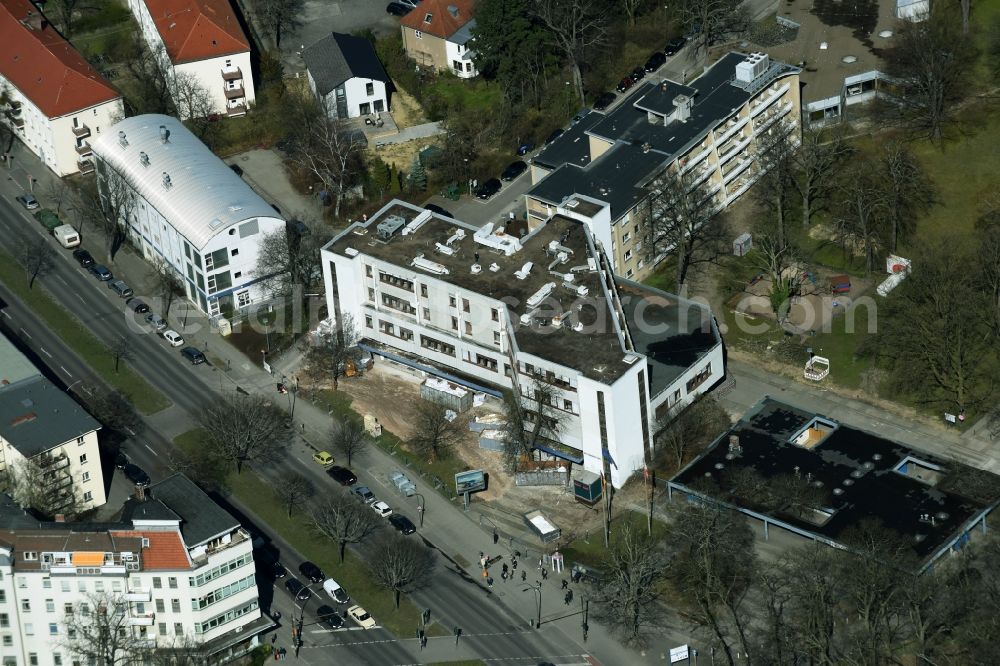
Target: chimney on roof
{"type": "Point", "coordinates": [166, 181]}
{"type": "Point", "coordinates": [122, 140]}
{"type": "Point", "coordinates": [453, 10]}
{"type": "Point", "coordinates": [34, 20]}
{"type": "Point", "coordinates": [164, 134]}
{"type": "Point", "coordinates": [682, 107]}
{"type": "Point", "coordinates": [143, 158]}
{"type": "Point", "coordinates": [60, 517]}
{"type": "Point", "coordinates": [664, 85]}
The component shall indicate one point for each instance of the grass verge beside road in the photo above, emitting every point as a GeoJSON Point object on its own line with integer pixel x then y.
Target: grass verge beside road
{"type": "Point", "coordinates": [75, 335]}
{"type": "Point", "coordinates": [589, 549]}
{"type": "Point", "coordinates": [258, 496]}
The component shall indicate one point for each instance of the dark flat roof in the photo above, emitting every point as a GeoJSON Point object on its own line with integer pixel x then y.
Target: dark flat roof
{"type": "Point", "coordinates": [201, 518]}
{"type": "Point", "coordinates": [572, 147]}
{"type": "Point", "coordinates": [615, 177]}
{"type": "Point", "coordinates": [671, 332]}
{"type": "Point", "coordinates": [857, 476]}
{"type": "Point", "coordinates": [35, 416]}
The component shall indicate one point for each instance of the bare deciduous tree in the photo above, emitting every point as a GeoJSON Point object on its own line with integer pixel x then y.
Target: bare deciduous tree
{"type": "Point", "coordinates": [66, 11]}
{"type": "Point", "coordinates": [862, 212]}
{"type": "Point", "coordinates": [434, 435]}
{"type": "Point", "coordinates": [36, 257]}
{"type": "Point", "coordinates": [931, 62]}
{"type": "Point", "coordinates": [682, 220]}
{"type": "Point", "coordinates": [576, 27]}
{"type": "Point", "coordinates": [33, 484]}
{"type": "Point", "coordinates": [775, 158]}
{"type": "Point", "coordinates": [121, 350]}
{"type": "Point", "coordinates": [113, 210]}
{"type": "Point", "coordinates": [344, 520]}
{"type": "Point", "coordinates": [686, 430]}
{"type": "Point", "coordinates": [816, 164]}
{"type": "Point", "coordinates": [402, 565]}
{"type": "Point", "coordinates": [629, 595]}
{"type": "Point", "coordinates": [167, 284]}
{"type": "Point", "coordinates": [524, 427]}
{"type": "Point", "coordinates": [631, 9]}
{"type": "Point", "coordinates": [246, 429]}
{"type": "Point", "coordinates": [329, 352]}
{"type": "Point", "coordinates": [779, 261]}
{"type": "Point", "coordinates": [293, 489]}
{"type": "Point", "coordinates": [194, 103]}
{"type": "Point", "coordinates": [716, 20]}
{"type": "Point", "coordinates": [114, 409]}
{"type": "Point", "coordinates": [147, 85]}
{"type": "Point", "coordinates": [907, 189]}
{"type": "Point", "coordinates": [99, 631]}
{"type": "Point", "coordinates": [349, 437]}
{"type": "Point", "coordinates": [290, 258]}
{"type": "Point", "coordinates": [280, 16]}
{"type": "Point", "coordinates": [988, 255]}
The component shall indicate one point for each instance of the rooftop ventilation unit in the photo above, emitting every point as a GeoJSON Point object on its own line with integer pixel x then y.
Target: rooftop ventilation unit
{"type": "Point", "coordinates": [164, 134]}
{"type": "Point", "coordinates": [682, 107]}
{"type": "Point", "coordinates": [527, 317]}
{"type": "Point", "coordinates": [536, 298]}
{"type": "Point", "coordinates": [630, 359]}
{"type": "Point", "coordinates": [753, 67]}
{"type": "Point", "coordinates": [494, 267]}
{"type": "Point", "coordinates": [351, 252]}
{"type": "Point", "coordinates": [457, 236]}
{"type": "Point", "coordinates": [476, 269]}
{"type": "Point", "coordinates": [417, 222]}
{"type": "Point", "coordinates": [444, 249]}
{"type": "Point", "coordinates": [389, 226]}
{"type": "Point", "coordinates": [497, 240]}
{"type": "Point", "coordinates": [122, 140]}
{"type": "Point", "coordinates": [524, 272]}
{"type": "Point", "coordinates": [166, 181]}
{"type": "Point", "coordinates": [143, 158]}
{"type": "Point", "coordinates": [430, 266]}
{"type": "Point", "coordinates": [555, 247]}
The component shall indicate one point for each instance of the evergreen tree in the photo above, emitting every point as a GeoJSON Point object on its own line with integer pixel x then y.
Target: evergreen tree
{"type": "Point", "coordinates": [418, 175]}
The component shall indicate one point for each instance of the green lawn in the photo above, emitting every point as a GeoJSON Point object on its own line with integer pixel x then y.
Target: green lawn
{"type": "Point", "coordinates": [589, 550]}
{"type": "Point", "coordinates": [76, 336]}
{"type": "Point", "coordinates": [257, 495]}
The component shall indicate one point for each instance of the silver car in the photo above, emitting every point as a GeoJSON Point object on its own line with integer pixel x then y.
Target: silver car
{"type": "Point", "coordinates": [156, 321]}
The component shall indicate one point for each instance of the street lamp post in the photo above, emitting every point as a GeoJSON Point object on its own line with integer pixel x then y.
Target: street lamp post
{"type": "Point", "coordinates": [421, 508]}
{"type": "Point", "coordinates": [298, 622]}
{"type": "Point", "coordinates": [537, 589]}
{"type": "Point", "coordinates": [585, 603]}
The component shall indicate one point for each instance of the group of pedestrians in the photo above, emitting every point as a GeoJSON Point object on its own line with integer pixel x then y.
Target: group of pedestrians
{"type": "Point", "coordinates": [507, 572]}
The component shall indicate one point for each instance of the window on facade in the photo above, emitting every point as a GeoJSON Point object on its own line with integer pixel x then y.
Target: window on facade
{"type": "Point", "coordinates": [398, 304]}
{"type": "Point", "coordinates": [629, 273]}
{"type": "Point", "coordinates": [29, 629]}
{"type": "Point", "coordinates": [699, 378]}
{"type": "Point", "coordinates": [452, 301]}
{"type": "Point", "coordinates": [217, 259]}
{"type": "Point", "coordinates": [243, 298]}
{"type": "Point", "coordinates": [368, 270]}
{"type": "Point", "coordinates": [371, 294]}
{"type": "Point", "coordinates": [465, 305]}
{"type": "Point", "coordinates": [495, 314]}
{"type": "Point", "coordinates": [496, 337]}
{"type": "Point", "coordinates": [53, 629]}
{"type": "Point", "coordinates": [68, 608]}
{"type": "Point", "coordinates": [625, 237]}
{"type": "Point", "coordinates": [160, 606]}
{"type": "Point", "coordinates": [427, 313]}
{"type": "Point", "coordinates": [83, 459]}
{"type": "Point", "coordinates": [437, 345]}
{"type": "Point", "coordinates": [423, 290]}
{"type": "Point", "coordinates": [172, 583]}
{"type": "Point", "coordinates": [88, 496]}
{"type": "Point", "coordinates": [418, 34]}
{"type": "Point", "coordinates": [454, 323]}
{"type": "Point", "coordinates": [486, 362]}
{"type": "Point", "coordinates": [568, 405]}
{"type": "Point", "coordinates": [627, 255]}
{"type": "Point", "coordinates": [178, 629]}
{"type": "Point", "coordinates": [8, 640]}
{"type": "Point", "coordinates": [175, 605]}
{"type": "Point", "coordinates": [368, 321]}
{"type": "Point", "coordinates": [31, 555]}
{"type": "Point", "coordinates": [157, 582]}
{"type": "Point", "coordinates": [161, 628]}
{"type": "Point", "coordinates": [395, 281]}
{"type": "Point", "coordinates": [50, 606]}
{"type": "Point", "coordinates": [457, 64]}
{"type": "Point", "coordinates": [32, 659]}
{"type": "Point", "coordinates": [468, 328]}
{"type": "Point", "coordinates": [4, 620]}
{"type": "Point", "coordinates": [25, 605]}
{"type": "Point", "coordinates": [85, 477]}
{"type": "Point", "coordinates": [47, 583]}
{"type": "Point", "coordinates": [369, 89]}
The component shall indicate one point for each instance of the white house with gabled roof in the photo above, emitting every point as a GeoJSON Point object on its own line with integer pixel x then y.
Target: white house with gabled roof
{"type": "Point", "coordinates": [191, 210]}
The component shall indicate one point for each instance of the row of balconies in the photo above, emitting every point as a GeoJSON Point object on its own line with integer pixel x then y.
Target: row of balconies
{"type": "Point", "coordinates": [759, 106]}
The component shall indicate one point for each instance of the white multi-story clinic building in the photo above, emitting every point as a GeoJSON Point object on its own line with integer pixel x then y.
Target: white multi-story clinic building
{"type": "Point", "coordinates": [176, 571]}
{"type": "Point", "coordinates": [496, 307]}
{"type": "Point", "coordinates": [51, 98]}
{"type": "Point", "coordinates": [202, 39]}
{"type": "Point", "coordinates": [190, 210]}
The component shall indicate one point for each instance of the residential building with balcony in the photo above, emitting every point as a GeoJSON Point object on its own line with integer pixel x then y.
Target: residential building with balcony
{"type": "Point", "coordinates": [437, 34]}
{"type": "Point", "coordinates": [712, 125]}
{"type": "Point", "coordinates": [189, 210]}
{"type": "Point", "coordinates": [175, 571]}
{"type": "Point", "coordinates": [200, 40]}
{"type": "Point", "coordinates": [54, 102]}
{"type": "Point", "coordinates": [41, 425]}
{"type": "Point", "coordinates": [497, 308]}
{"type": "Point", "coordinates": [346, 75]}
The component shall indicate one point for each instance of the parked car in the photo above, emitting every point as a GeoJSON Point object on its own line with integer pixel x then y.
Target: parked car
{"type": "Point", "coordinates": [625, 84]}
{"type": "Point", "coordinates": [330, 617]}
{"type": "Point", "coordinates": [342, 475]}
{"type": "Point", "coordinates": [402, 523]}
{"type": "Point", "coordinates": [28, 201]}
{"type": "Point", "coordinates": [488, 189]}
{"type": "Point", "coordinates": [312, 572]}
{"type": "Point", "coordinates": [172, 337]}
{"type": "Point", "coordinates": [638, 74]}
{"type": "Point", "coordinates": [381, 508]}
{"type": "Point", "coordinates": [397, 9]}
{"type": "Point", "coordinates": [101, 272]}
{"type": "Point", "coordinates": [278, 570]}
{"type": "Point", "coordinates": [513, 170]}
{"type": "Point", "coordinates": [138, 305]}
{"type": "Point", "coordinates": [361, 617]}
{"type": "Point", "coordinates": [323, 458]}
{"type": "Point", "coordinates": [136, 475]}
{"type": "Point", "coordinates": [525, 148]}
{"type": "Point", "coordinates": [121, 460]}
{"type": "Point", "coordinates": [556, 133]}
{"type": "Point", "coordinates": [121, 288]}
{"type": "Point", "coordinates": [604, 100]}
{"type": "Point", "coordinates": [297, 589]}
{"type": "Point", "coordinates": [434, 208]}
{"type": "Point", "coordinates": [237, 169]}
{"type": "Point", "coordinates": [364, 494]}
{"type": "Point", "coordinates": [83, 258]}
{"type": "Point", "coordinates": [655, 62]}
{"type": "Point", "coordinates": [335, 591]}
{"type": "Point", "coordinates": [674, 46]}
{"type": "Point", "coordinates": [194, 355]}
{"type": "Point", "coordinates": [409, 3]}
{"type": "Point", "coordinates": [156, 321]}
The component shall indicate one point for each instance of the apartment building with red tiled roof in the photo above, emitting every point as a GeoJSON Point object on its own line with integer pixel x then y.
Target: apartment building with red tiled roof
{"type": "Point", "coordinates": [177, 568]}
{"type": "Point", "coordinates": [438, 34]}
{"type": "Point", "coordinates": [52, 98]}
{"type": "Point", "coordinates": [199, 43]}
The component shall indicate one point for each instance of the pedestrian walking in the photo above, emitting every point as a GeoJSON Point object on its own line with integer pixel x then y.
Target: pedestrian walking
{"type": "Point", "coordinates": [524, 575]}
{"type": "Point", "coordinates": [503, 576]}
{"type": "Point", "coordinates": [274, 639]}
{"type": "Point", "coordinates": [489, 581]}
{"type": "Point", "coordinates": [567, 598]}
{"type": "Point", "coordinates": [545, 574]}
{"type": "Point", "coordinates": [505, 569]}
{"type": "Point", "coordinates": [513, 563]}
{"type": "Point", "coordinates": [565, 583]}
{"type": "Point", "coordinates": [540, 561]}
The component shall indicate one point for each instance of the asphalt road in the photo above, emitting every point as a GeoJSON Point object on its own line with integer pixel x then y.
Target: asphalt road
{"type": "Point", "coordinates": [454, 599]}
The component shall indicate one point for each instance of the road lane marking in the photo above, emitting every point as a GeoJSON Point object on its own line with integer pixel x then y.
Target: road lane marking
{"type": "Point", "coordinates": [80, 297]}
{"type": "Point", "coordinates": [42, 349]}
{"type": "Point", "coordinates": [26, 334]}
{"type": "Point", "coordinates": [6, 314]}
{"type": "Point", "coordinates": [68, 373]}
{"type": "Point", "coordinates": [61, 280]}
{"type": "Point", "coordinates": [151, 450]}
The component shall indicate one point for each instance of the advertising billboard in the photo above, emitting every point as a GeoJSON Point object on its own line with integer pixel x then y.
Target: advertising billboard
{"type": "Point", "coordinates": [470, 482]}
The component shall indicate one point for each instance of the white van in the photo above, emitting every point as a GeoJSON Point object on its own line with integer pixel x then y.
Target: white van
{"type": "Point", "coordinates": [66, 235]}
{"type": "Point", "coordinates": [335, 591]}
